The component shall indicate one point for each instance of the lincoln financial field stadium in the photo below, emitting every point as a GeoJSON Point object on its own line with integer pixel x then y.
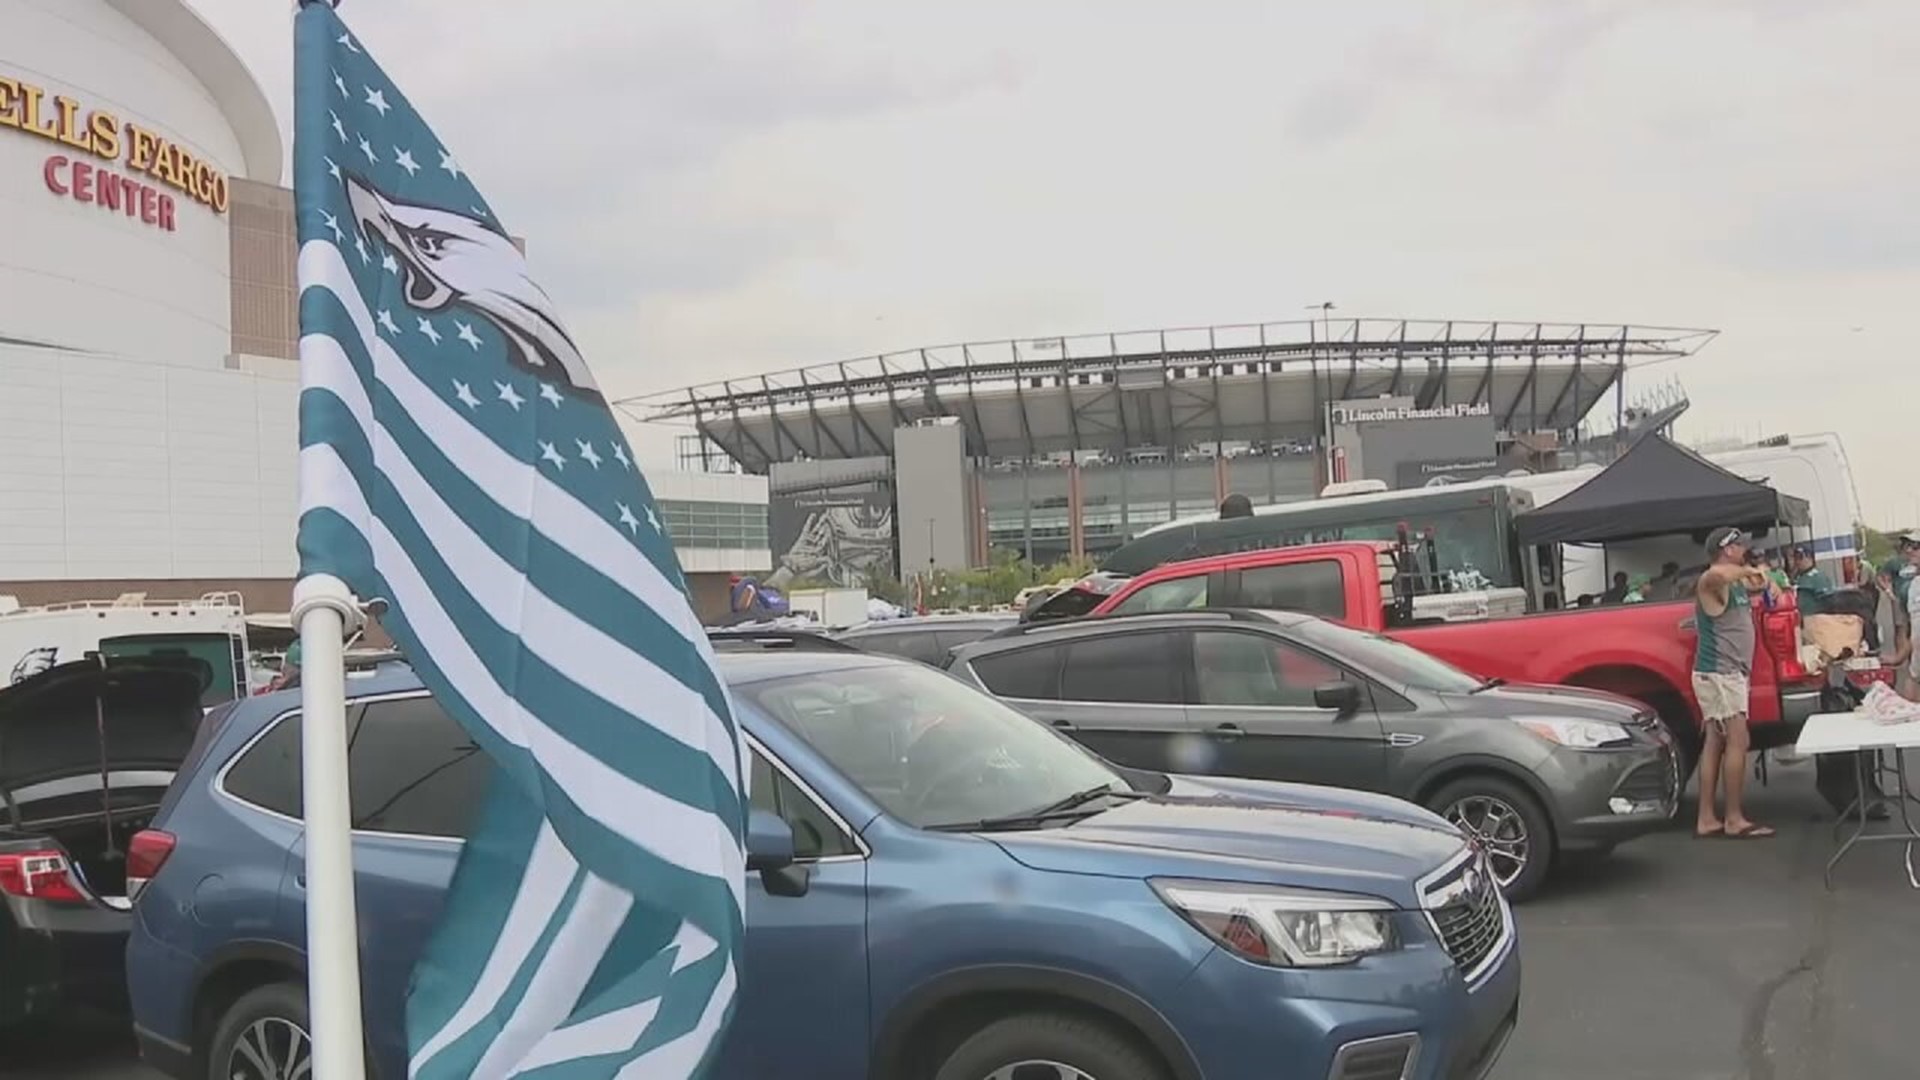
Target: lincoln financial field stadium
{"type": "Point", "coordinates": [1064, 447]}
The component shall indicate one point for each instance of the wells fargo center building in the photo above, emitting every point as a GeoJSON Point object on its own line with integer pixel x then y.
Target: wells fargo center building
{"type": "Point", "coordinates": [148, 322]}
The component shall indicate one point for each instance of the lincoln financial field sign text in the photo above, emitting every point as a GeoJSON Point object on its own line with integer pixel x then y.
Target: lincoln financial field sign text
{"type": "Point", "coordinates": [99, 134]}
{"type": "Point", "coordinates": [1362, 414]}
{"type": "Point", "coordinates": [1393, 440]}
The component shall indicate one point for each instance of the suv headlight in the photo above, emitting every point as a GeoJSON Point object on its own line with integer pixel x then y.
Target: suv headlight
{"type": "Point", "coordinates": [1284, 927]}
{"type": "Point", "coordinates": [1578, 734]}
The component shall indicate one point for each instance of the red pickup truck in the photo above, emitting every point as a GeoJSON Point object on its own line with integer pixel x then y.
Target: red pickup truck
{"type": "Point", "coordinates": [1643, 651]}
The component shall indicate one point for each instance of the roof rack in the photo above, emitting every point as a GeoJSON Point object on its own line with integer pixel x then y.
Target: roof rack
{"type": "Point", "coordinates": [1220, 614]}
{"type": "Point", "coordinates": [795, 640]}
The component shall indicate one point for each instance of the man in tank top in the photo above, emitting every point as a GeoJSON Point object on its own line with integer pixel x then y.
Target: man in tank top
{"type": "Point", "coordinates": [1722, 665]}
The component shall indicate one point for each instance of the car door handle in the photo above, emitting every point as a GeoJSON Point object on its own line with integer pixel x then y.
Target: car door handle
{"type": "Point", "coordinates": [1228, 731]}
{"type": "Point", "coordinates": [1065, 725]}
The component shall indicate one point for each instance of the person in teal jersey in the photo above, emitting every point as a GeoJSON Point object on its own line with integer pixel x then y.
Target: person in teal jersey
{"type": "Point", "coordinates": [1898, 567]}
{"type": "Point", "coordinates": [1722, 667]}
{"type": "Point", "coordinates": [1810, 583]}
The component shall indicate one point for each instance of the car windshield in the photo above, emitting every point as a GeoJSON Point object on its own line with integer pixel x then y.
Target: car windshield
{"type": "Point", "coordinates": [928, 748]}
{"type": "Point", "coordinates": [1385, 658]}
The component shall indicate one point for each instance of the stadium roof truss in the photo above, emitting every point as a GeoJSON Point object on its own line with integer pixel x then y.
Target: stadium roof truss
{"type": "Point", "coordinates": [1170, 388]}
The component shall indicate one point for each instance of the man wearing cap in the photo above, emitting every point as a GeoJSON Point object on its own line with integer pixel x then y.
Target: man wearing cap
{"type": "Point", "coordinates": [1722, 666]}
{"type": "Point", "coordinates": [1811, 585]}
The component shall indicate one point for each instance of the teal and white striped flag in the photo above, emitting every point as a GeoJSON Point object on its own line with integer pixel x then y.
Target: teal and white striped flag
{"type": "Point", "coordinates": [457, 459]}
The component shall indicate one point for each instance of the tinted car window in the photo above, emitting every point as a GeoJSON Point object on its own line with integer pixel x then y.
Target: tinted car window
{"type": "Point", "coordinates": [268, 774]}
{"type": "Point", "coordinates": [1313, 587]}
{"type": "Point", "coordinates": [1022, 673]}
{"type": "Point", "coordinates": [1175, 595]}
{"type": "Point", "coordinates": [1133, 668]}
{"type": "Point", "coordinates": [1252, 669]}
{"type": "Point", "coordinates": [414, 769]}
{"type": "Point", "coordinates": [815, 835]}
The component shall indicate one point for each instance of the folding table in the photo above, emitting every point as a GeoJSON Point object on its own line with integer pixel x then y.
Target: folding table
{"type": "Point", "coordinates": [1850, 732]}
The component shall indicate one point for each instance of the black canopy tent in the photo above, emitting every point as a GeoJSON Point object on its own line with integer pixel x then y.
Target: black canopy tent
{"type": "Point", "coordinates": [1658, 487]}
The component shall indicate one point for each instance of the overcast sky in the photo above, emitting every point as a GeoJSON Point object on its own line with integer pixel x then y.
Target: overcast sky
{"type": "Point", "coordinates": [721, 188]}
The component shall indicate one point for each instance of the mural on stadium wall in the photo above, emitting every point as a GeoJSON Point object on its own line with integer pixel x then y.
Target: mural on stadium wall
{"type": "Point", "coordinates": [834, 537]}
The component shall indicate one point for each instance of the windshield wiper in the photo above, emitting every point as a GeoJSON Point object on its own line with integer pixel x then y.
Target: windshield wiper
{"type": "Point", "coordinates": [1489, 684]}
{"type": "Point", "coordinates": [1073, 805]}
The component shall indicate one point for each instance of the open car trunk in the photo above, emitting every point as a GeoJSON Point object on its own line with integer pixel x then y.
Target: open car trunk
{"type": "Point", "coordinates": [87, 750]}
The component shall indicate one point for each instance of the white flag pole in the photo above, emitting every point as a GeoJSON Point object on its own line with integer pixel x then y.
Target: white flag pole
{"type": "Point", "coordinates": [324, 610]}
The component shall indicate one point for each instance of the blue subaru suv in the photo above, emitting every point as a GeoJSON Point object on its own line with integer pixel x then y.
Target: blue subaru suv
{"type": "Point", "coordinates": [940, 889]}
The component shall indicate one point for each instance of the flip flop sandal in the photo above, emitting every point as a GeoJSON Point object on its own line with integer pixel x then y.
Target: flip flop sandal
{"type": "Point", "coordinates": [1710, 834]}
{"type": "Point", "coordinates": [1752, 832]}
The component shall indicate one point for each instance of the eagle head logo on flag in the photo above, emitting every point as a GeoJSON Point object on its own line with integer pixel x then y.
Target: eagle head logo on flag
{"type": "Point", "coordinates": [458, 460]}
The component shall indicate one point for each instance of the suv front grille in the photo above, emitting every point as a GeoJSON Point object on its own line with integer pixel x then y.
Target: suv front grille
{"type": "Point", "coordinates": [1469, 916]}
{"type": "Point", "coordinates": [1652, 782]}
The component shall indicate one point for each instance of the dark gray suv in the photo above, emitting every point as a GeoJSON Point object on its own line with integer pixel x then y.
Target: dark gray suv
{"type": "Point", "coordinates": [1533, 772]}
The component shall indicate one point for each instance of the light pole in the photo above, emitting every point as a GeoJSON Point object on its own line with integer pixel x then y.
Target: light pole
{"type": "Point", "coordinates": [1323, 439]}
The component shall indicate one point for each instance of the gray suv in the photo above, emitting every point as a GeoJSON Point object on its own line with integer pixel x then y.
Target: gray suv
{"type": "Point", "coordinates": [1533, 772]}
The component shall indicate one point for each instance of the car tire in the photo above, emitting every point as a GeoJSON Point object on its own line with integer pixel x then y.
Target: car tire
{"type": "Point", "coordinates": [276, 1014]}
{"type": "Point", "coordinates": [1506, 808]}
{"type": "Point", "coordinates": [1050, 1046]}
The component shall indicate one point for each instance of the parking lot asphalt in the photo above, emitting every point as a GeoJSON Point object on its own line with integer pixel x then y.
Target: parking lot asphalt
{"type": "Point", "coordinates": [1675, 959]}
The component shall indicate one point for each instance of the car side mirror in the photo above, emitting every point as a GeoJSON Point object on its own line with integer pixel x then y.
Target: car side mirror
{"type": "Point", "coordinates": [770, 853]}
{"type": "Point", "coordinates": [1342, 697]}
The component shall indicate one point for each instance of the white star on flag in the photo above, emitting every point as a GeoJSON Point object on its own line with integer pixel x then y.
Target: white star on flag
{"type": "Point", "coordinates": [346, 42]}
{"type": "Point", "coordinates": [587, 453]}
{"type": "Point", "coordinates": [333, 226]}
{"type": "Point", "coordinates": [378, 99]}
{"type": "Point", "coordinates": [551, 393]}
{"type": "Point", "coordinates": [465, 394]}
{"type": "Point", "coordinates": [360, 245]}
{"type": "Point", "coordinates": [338, 128]}
{"type": "Point", "coordinates": [548, 453]}
{"type": "Point", "coordinates": [620, 455]}
{"type": "Point", "coordinates": [385, 319]}
{"type": "Point", "coordinates": [333, 170]}
{"type": "Point", "coordinates": [426, 327]}
{"type": "Point", "coordinates": [626, 518]}
{"type": "Point", "coordinates": [404, 159]}
{"type": "Point", "coordinates": [466, 334]}
{"type": "Point", "coordinates": [447, 163]}
{"type": "Point", "coordinates": [341, 83]}
{"type": "Point", "coordinates": [367, 149]}
{"type": "Point", "coordinates": [390, 264]}
{"type": "Point", "coordinates": [651, 520]}
{"type": "Point", "coordinates": [510, 396]}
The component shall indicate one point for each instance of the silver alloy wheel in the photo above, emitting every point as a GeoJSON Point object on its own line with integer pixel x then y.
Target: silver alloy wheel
{"type": "Point", "coordinates": [272, 1048]}
{"type": "Point", "coordinates": [1038, 1070]}
{"type": "Point", "coordinates": [1501, 831]}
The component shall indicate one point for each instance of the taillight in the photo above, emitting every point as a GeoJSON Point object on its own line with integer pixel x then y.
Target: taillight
{"type": "Point", "coordinates": [39, 875]}
{"type": "Point", "coordinates": [147, 852]}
